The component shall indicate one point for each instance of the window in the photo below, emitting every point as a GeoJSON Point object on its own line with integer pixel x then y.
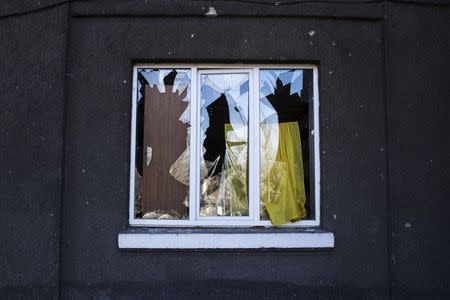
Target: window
{"type": "Point", "coordinates": [225, 146]}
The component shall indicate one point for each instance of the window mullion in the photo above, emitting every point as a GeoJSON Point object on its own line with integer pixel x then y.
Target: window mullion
{"type": "Point", "coordinates": [316, 140]}
{"type": "Point", "coordinates": [256, 145]}
{"type": "Point", "coordinates": [193, 155]}
{"type": "Point", "coordinates": [251, 147]}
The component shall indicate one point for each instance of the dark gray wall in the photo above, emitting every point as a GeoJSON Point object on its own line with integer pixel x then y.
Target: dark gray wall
{"type": "Point", "coordinates": [352, 133]}
{"type": "Point", "coordinates": [418, 95]}
{"type": "Point", "coordinates": [65, 139]}
{"type": "Point", "coordinates": [32, 63]}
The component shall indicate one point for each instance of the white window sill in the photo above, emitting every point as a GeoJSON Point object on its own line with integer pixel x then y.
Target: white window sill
{"type": "Point", "coordinates": [213, 239]}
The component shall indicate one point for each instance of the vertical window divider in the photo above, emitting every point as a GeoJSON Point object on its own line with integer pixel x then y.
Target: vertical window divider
{"type": "Point", "coordinates": [251, 147]}
{"type": "Point", "coordinates": [134, 96]}
{"type": "Point", "coordinates": [315, 103]}
{"type": "Point", "coordinates": [194, 157]}
{"type": "Point", "coordinates": [256, 145]}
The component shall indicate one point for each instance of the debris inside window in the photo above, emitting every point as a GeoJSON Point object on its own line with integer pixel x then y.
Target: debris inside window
{"type": "Point", "coordinates": [284, 152]}
{"type": "Point", "coordinates": [224, 102]}
{"type": "Point", "coordinates": [221, 153]}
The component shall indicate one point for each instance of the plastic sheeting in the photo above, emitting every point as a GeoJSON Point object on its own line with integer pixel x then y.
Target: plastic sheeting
{"type": "Point", "coordinates": [224, 191]}
{"type": "Point", "coordinates": [282, 187]}
{"type": "Point", "coordinates": [223, 186]}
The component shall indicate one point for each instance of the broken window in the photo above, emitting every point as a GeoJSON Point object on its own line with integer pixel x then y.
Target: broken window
{"type": "Point", "coordinates": [224, 144]}
{"type": "Point", "coordinates": [284, 144]}
{"type": "Point", "coordinates": [225, 147]}
{"type": "Point", "coordinates": [162, 144]}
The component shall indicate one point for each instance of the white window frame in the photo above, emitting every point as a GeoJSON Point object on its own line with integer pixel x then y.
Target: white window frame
{"type": "Point", "coordinates": [253, 219]}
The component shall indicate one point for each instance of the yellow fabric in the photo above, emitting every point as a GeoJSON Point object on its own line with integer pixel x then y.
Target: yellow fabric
{"type": "Point", "coordinates": [282, 180]}
{"type": "Point", "coordinates": [235, 163]}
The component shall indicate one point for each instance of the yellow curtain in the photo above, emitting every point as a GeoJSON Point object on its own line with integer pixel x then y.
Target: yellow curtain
{"type": "Point", "coordinates": [281, 179]}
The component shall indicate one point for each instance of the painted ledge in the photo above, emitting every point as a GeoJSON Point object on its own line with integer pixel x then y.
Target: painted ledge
{"type": "Point", "coordinates": [205, 240]}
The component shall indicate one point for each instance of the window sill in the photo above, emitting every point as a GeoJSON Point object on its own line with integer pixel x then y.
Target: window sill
{"type": "Point", "coordinates": [216, 239]}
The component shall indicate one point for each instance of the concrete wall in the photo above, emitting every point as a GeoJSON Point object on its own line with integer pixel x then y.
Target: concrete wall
{"type": "Point", "coordinates": [32, 66]}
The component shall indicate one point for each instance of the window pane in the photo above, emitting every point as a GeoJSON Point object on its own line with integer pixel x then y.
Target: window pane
{"type": "Point", "coordinates": [224, 144]}
{"type": "Point", "coordinates": [162, 144]}
{"type": "Point", "coordinates": [285, 118]}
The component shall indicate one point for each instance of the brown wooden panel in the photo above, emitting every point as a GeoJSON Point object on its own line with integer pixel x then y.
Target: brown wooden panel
{"type": "Point", "coordinates": [166, 135]}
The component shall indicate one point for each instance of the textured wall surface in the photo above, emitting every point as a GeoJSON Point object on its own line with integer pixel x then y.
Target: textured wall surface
{"type": "Point", "coordinates": [65, 82]}
{"type": "Point", "coordinates": [32, 63]}
{"type": "Point", "coordinates": [418, 94]}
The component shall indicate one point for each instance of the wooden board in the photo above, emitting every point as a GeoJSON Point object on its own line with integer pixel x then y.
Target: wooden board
{"type": "Point", "coordinates": [166, 135]}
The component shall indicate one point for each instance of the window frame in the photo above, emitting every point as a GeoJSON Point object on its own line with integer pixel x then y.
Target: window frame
{"type": "Point", "coordinates": [254, 101]}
